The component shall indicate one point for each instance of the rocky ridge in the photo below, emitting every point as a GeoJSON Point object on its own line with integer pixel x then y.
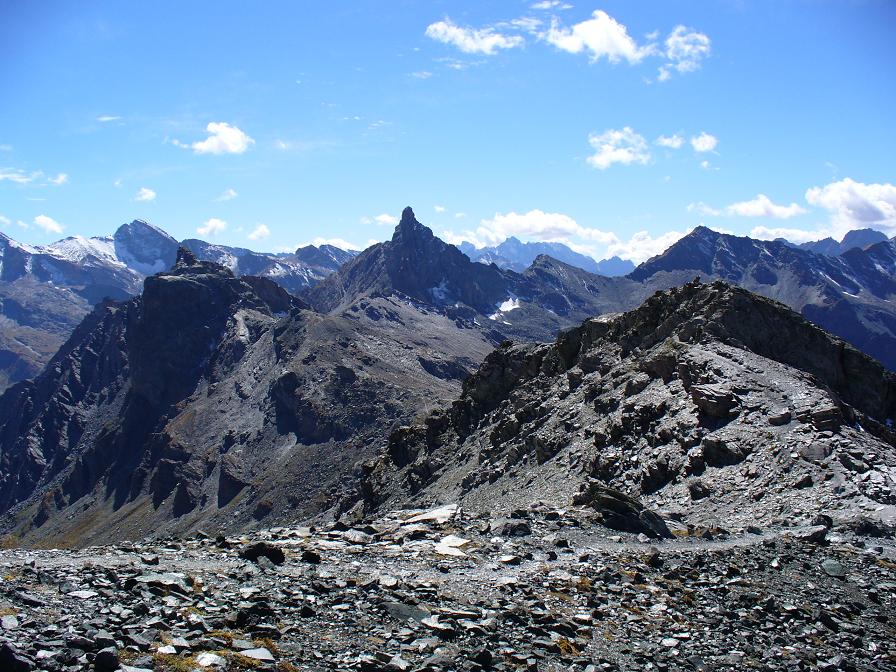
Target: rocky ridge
{"type": "Point", "coordinates": [213, 398]}
{"type": "Point", "coordinates": [849, 295]}
{"type": "Point", "coordinates": [708, 403]}
{"type": "Point", "coordinates": [46, 291]}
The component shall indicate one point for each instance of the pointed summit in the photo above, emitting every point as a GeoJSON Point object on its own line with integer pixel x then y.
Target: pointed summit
{"type": "Point", "coordinates": [409, 228]}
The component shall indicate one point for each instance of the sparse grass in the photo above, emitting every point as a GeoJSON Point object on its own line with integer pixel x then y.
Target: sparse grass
{"type": "Point", "coordinates": [567, 648]}
{"type": "Point", "coordinates": [8, 541]}
{"type": "Point", "coordinates": [585, 584]}
{"type": "Point", "coordinates": [240, 662]}
{"type": "Point", "coordinates": [267, 643]}
{"type": "Point", "coordinates": [226, 635]}
{"type": "Point", "coordinates": [556, 594]}
{"type": "Point", "coordinates": [8, 611]}
{"type": "Point", "coordinates": [166, 662]}
{"type": "Point", "coordinates": [286, 666]}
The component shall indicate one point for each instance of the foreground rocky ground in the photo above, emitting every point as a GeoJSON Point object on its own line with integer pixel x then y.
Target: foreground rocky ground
{"type": "Point", "coordinates": [543, 589]}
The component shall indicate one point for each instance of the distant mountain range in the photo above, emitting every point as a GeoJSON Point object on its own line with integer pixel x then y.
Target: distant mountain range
{"type": "Point", "coordinates": [518, 256]}
{"type": "Point", "coordinates": [536, 289]}
{"type": "Point", "coordinates": [45, 291]}
{"type": "Point", "coordinates": [850, 295]}
{"type": "Point", "coordinates": [218, 401]}
{"type": "Point", "coordinates": [860, 238]}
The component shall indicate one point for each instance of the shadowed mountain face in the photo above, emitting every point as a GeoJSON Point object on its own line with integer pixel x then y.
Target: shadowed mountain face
{"type": "Point", "coordinates": [708, 402]}
{"type": "Point", "coordinates": [533, 305]}
{"type": "Point", "coordinates": [46, 291]}
{"type": "Point", "coordinates": [850, 295]}
{"type": "Point", "coordinates": [215, 399]}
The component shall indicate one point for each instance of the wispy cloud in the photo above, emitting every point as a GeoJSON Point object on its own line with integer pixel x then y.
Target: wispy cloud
{"type": "Point", "coordinates": [59, 180]}
{"type": "Point", "coordinates": [107, 118]}
{"type": "Point", "coordinates": [48, 224]}
{"type": "Point", "coordinates": [623, 146]}
{"type": "Point", "coordinates": [259, 232]}
{"type": "Point", "coordinates": [760, 206]}
{"type": "Point", "coordinates": [686, 49]}
{"type": "Point", "coordinates": [227, 195]}
{"type": "Point", "coordinates": [212, 227]}
{"type": "Point", "coordinates": [18, 176]}
{"type": "Point", "coordinates": [384, 219]}
{"type": "Point", "coordinates": [472, 40]}
{"type": "Point", "coordinates": [673, 141]}
{"type": "Point", "coordinates": [145, 195]}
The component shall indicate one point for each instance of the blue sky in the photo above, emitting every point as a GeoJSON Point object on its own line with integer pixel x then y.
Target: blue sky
{"type": "Point", "coordinates": [615, 126]}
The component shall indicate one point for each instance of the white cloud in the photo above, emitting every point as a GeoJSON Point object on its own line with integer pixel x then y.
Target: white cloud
{"type": "Point", "coordinates": [106, 118]}
{"type": "Point", "coordinates": [528, 24]}
{"type": "Point", "coordinates": [704, 209]}
{"type": "Point", "coordinates": [386, 219]}
{"type": "Point", "coordinates": [856, 205]}
{"type": "Point", "coordinates": [212, 227]}
{"type": "Point", "coordinates": [48, 224]}
{"type": "Point", "coordinates": [341, 243]}
{"type": "Point", "coordinates": [642, 246]}
{"type": "Point", "coordinates": [5, 221]}
{"type": "Point", "coordinates": [705, 165]}
{"type": "Point", "coordinates": [18, 176]}
{"type": "Point", "coordinates": [259, 232]}
{"type": "Point", "coordinates": [472, 40]}
{"type": "Point", "coordinates": [421, 74]}
{"type": "Point", "coordinates": [59, 180]}
{"type": "Point", "coordinates": [439, 208]}
{"type": "Point", "coordinates": [618, 146]}
{"type": "Point", "coordinates": [227, 195]}
{"type": "Point", "coordinates": [223, 139]}
{"type": "Point", "coordinates": [535, 224]}
{"type": "Point", "coordinates": [685, 48]}
{"type": "Point", "coordinates": [673, 141]}
{"type": "Point", "coordinates": [704, 142]}
{"type": "Point", "coordinates": [145, 195]}
{"type": "Point", "coordinates": [601, 36]}
{"type": "Point", "coordinates": [793, 235]}
{"type": "Point", "coordinates": [761, 206]}
{"type": "Point", "coordinates": [5, 148]}
{"type": "Point", "coordinates": [545, 5]}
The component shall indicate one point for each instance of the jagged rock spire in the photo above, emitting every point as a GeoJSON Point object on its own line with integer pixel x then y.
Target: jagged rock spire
{"type": "Point", "coordinates": [185, 258]}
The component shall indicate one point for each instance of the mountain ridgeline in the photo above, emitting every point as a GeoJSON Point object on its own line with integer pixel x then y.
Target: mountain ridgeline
{"type": "Point", "coordinates": [46, 291]}
{"type": "Point", "coordinates": [217, 400]}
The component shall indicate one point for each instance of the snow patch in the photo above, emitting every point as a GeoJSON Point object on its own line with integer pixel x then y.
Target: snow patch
{"type": "Point", "coordinates": [511, 303]}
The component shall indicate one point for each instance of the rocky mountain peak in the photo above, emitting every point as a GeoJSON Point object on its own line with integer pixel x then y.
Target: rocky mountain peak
{"type": "Point", "coordinates": [409, 229]}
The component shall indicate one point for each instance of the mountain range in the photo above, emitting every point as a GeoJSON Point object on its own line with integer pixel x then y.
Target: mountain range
{"type": "Point", "coordinates": [860, 238]}
{"type": "Point", "coordinates": [518, 256]}
{"type": "Point", "coordinates": [46, 291]}
{"type": "Point", "coordinates": [214, 400]}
